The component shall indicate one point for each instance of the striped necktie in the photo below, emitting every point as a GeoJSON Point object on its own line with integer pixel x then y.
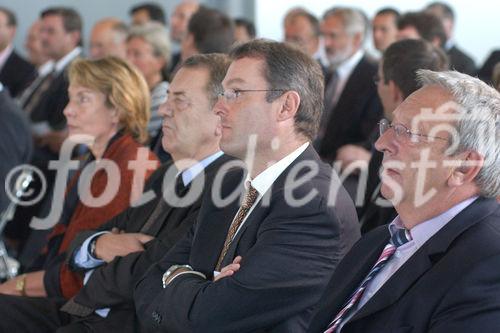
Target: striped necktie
{"type": "Point", "coordinates": [398, 238]}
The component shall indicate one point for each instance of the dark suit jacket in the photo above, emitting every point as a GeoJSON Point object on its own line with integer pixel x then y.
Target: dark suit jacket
{"type": "Point", "coordinates": [486, 71]}
{"type": "Point", "coordinates": [288, 255]}
{"type": "Point", "coordinates": [16, 144]}
{"type": "Point", "coordinates": [51, 105]}
{"type": "Point", "coordinates": [449, 285]}
{"type": "Point", "coordinates": [356, 113]}
{"type": "Point", "coordinates": [112, 284]}
{"type": "Point", "coordinates": [461, 62]}
{"type": "Point", "coordinates": [17, 74]}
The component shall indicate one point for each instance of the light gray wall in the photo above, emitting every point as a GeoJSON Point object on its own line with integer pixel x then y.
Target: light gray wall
{"type": "Point", "coordinates": [27, 11]}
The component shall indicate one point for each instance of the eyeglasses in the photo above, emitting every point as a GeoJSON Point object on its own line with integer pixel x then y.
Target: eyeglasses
{"type": "Point", "coordinates": [232, 94]}
{"type": "Point", "coordinates": [402, 132]}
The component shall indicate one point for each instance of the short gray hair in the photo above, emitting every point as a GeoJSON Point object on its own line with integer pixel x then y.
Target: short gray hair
{"type": "Point", "coordinates": [354, 20]}
{"type": "Point", "coordinates": [154, 34]}
{"type": "Point", "coordinates": [479, 109]}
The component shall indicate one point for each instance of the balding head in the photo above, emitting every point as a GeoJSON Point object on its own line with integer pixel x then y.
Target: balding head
{"type": "Point", "coordinates": [108, 38]}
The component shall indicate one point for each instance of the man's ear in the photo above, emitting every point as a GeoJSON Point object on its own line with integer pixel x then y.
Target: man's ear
{"type": "Point", "coordinates": [289, 105]}
{"type": "Point", "coordinates": [470, 165]}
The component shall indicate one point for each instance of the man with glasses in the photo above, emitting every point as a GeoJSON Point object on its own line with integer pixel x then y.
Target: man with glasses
{"type": "Point", "coordinates": [396, 79]}
{"type": "Point", "coordinates": [260, 266]}
{"type": "Point", "coordinates": [434, 268]}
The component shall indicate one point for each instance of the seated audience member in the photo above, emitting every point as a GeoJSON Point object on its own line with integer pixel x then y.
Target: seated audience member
{"type": "Point", "coordinates": [302, 29]}
{"type": "Point", "coordinates": [108, 38]}
{"type": "Point", "coordinates": [148, 48]}
{"type": "Point", "coordinates": [422, 25]}
{"type": "Point", "coordinates": [36, 54]}
{"type": "Point", "coordinates": [103, 106]}
{"type": "Point", "coordinates": [45, 99]}
{"type": "Point", "coordinates": [260, 267]}
{"type": "Point", "coordinates": [147, 12]}
{"type": "Point", "coordinates": [209, 30]}
{"type": "Point", "coordinates": [352, 107]}
{"type": "Point", "coordinates": [192, 135]}
{"type": "Point", "coordinates": [178, 29]}
{"type": "Point", "coordinates": [16, 74]}
{"type": "Point", "coordinates": [15, 141]}
{"type": "Point", "coordinates": [244, 30]}
{"type": "Point", "coordinates": [486, 71]}
{"type": "Point", "coordinates": [433, 268]}
{"type": "Point", "coordinates": [459, 60]}
{"type": "Point", "coordinates": [385, 28]}
{"type": "Point", "coordinates": [396, 80]}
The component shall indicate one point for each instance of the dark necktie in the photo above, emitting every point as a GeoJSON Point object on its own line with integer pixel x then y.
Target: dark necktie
{"type": "Point", "coordinates": [400, 237]}
{"type": "Point", "coordinates": [330, 89]}
{"type": "Point", "coordinates": [31, 102]}
{"type": "Point", "coordinates": [248, 202]}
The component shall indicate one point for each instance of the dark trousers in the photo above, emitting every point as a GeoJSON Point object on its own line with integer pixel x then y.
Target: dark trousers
{"type": "Point", "coordinates": [42, 315]}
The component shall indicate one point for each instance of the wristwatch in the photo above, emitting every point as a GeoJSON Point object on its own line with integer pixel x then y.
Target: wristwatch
{"type": "Point", "coordinates": [92, 247]}
{"type": "Point", "coordinates": [171, 271]}
{"type": "Point", "coordinates": [21, 284]}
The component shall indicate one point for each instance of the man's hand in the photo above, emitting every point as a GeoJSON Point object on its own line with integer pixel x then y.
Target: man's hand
{"type": "Point", "coordinates": [229, 269]}
{"type": "Point", "coordinates": [115, 244]}
{"type": "Point", "coordinates": [9, 288]}
{"type": "Point", "coordinates": [351, 153]}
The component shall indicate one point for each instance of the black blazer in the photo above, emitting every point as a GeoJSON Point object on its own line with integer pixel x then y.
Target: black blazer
{"type": "Point", "coordinates": [461, 62]}
{"type": "Point", "coordinates": [288, 255]}
{"type": "Point", "coordinates": [51, 106]}
{"type": "Point", "coordinates": [449, 285]}
{"type": "Point", "coordinates": [111, 285]}
{"type": "Point", "coordinates": [17, 74]}
{"type": "Point", "coordinates": [356, 113]}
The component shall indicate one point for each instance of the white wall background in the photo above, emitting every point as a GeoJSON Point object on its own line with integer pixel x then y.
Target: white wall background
{"type": "Point", "coordinates": [477, 26]}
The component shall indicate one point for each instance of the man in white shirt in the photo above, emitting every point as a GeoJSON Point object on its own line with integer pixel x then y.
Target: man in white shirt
{"type": "Point", "coordinates": [352, 106]}
{"type": "Point", "coordinates": [261, 266]}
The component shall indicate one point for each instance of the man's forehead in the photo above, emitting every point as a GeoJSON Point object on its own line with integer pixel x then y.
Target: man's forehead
{"type": "Point", "coordinates": [430, 100]}
{"type": "Point", "coordinates": [244, 70]}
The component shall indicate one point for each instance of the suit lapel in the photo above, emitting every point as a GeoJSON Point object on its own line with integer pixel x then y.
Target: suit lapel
{"type": "Point", "coordinates": [426, 256]}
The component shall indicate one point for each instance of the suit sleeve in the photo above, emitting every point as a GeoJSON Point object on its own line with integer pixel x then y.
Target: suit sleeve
{"type": "Point", "coordinates": [302, 251]}
{"type": "Point", "coordinates": [107, 286]}
{"type": "Point", "coordinates": [473, 304]}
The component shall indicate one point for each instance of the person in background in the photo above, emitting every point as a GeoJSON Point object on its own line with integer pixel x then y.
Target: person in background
{"type": "Point", "coordinates": [34, 48]}
{"type": "Point", "coordinates": [16, 73]}
{"type": "Point", "coordinates": [385, 28]}
{"type": "Point", "coordinates": [147, 12]}
{"type": "Point", "coordinates": [422, 25]}
{"type": "Point", "coordinates": [302, 29]}
{"type": "Point", "coordinates": [244, 30]}
{"type": "Point", "coordinates": [459, 60]}
{"type": "Point", "coordinates": [108, 38]}
{"type": "Point", "coordinates": [178, 29]}
{"type": "Point", "coordinates": [148, 48]}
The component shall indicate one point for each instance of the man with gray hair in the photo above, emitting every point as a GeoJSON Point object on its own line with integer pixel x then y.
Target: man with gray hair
{"type": "Point", "coordinates": [352, 106]}
{"type": "Point", "coordinates": [434, 267]}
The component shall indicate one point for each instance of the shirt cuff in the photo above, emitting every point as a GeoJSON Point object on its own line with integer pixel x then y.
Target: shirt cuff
{"type": "Point", "coordinates": [83, 258]}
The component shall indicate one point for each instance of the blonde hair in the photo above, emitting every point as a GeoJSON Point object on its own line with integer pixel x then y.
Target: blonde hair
{"type": "Point", "coordinates": [124, 87]}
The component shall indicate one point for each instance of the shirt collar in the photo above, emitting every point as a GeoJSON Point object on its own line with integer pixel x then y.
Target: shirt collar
{"type": "Point", "coordinates": [5, 54]}
{"type": "Point", "coordinates": [190, 173]}
{"type": "Point", "coordinates": [46, 68]}
{"type": "Point", "coordinates": [64, 61]}
{"type": "Point", "coordinates": [425, 230]}
{"type": "Point", "coordinates": [267, 177]}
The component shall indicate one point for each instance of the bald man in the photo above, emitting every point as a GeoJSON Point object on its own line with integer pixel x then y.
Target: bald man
{"type": "Point", "coordinates": [108, 38]}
